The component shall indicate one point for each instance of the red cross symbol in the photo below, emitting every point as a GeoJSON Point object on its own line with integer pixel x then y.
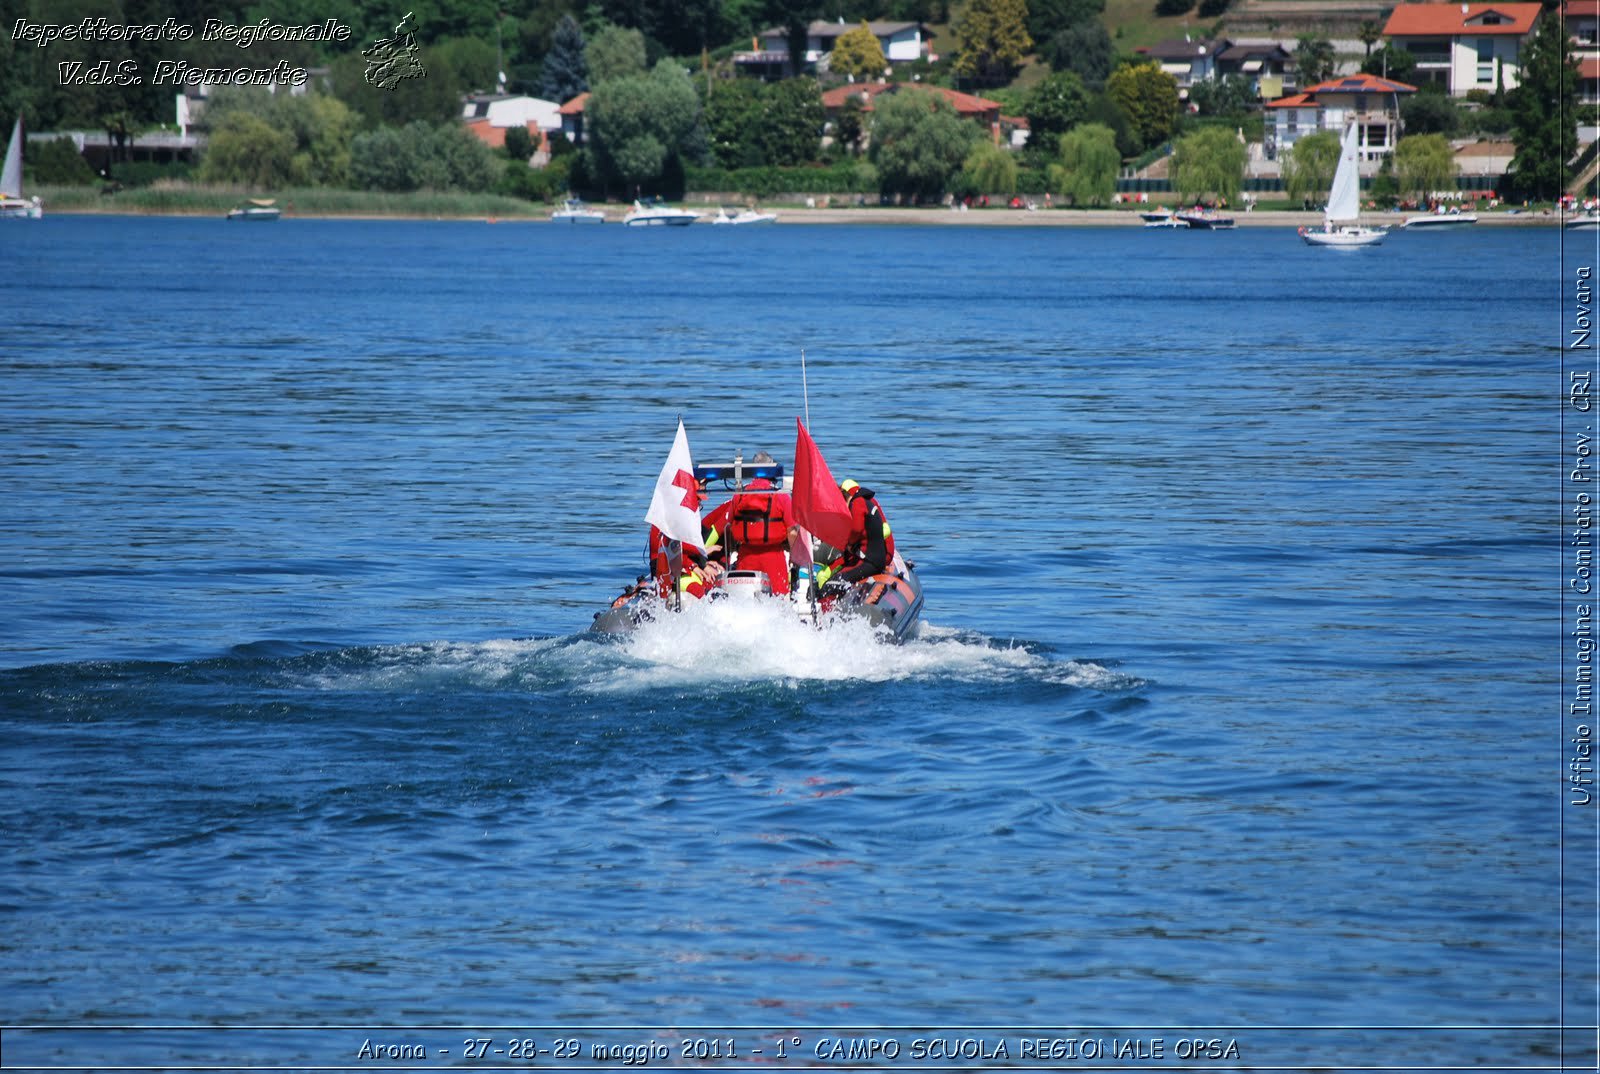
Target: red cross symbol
{"type": "Point", "coordinates": [691, 490]}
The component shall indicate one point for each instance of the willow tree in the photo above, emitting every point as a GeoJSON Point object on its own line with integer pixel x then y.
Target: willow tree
{"type": "Point", "coordinates": [1309, 164]}
{"type": "Point", "coordinates": [1086, 165]}
{"type": "Point", "coordinates": [1424, 163]}
{"type": "Point", "coordinates": [1209, 161]}
{"type": "Point", "coordinates": [989, 169]}
{"type": "Point", "coordinates": [919, 143]}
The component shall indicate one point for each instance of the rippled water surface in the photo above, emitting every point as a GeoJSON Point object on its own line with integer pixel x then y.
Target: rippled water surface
{"type": "Point", "coordinates": [1234, 706]}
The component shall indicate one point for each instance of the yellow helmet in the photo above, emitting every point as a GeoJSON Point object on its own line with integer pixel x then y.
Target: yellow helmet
{"type": "Point", "coordinates": [847, 486]}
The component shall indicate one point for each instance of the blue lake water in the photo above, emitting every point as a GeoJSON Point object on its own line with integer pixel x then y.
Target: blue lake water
{"type": "Point", "coordinates": [1236, 703]}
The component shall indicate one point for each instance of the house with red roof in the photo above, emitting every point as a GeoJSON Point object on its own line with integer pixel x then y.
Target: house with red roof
{"type": "Point", "coordinates": [489, 116]}
{"type": "Point", "coordinates": [1370, 102]}
{"type": "Point", "coordinates": [980, 110]}
{"type": "Point", "coordinates": [1583, 23]}
{"type": "Point", "coordinates": [572, 118]}
{"type": "Point", "coordinates": [1464, 46]}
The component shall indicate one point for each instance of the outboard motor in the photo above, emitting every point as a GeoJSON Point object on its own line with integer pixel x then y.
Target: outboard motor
{"type": "Point", "coordinates": [746, 585]}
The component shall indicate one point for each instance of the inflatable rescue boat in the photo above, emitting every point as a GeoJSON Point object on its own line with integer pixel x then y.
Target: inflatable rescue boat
{"type": "Point", "coordinates": [890, 601]}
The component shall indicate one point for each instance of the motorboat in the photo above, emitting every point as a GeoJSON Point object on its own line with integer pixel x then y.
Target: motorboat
{"type": "Point", "coordinates": [256, 209]}
{"type": "Point", "coordinates": [657, 214]}
{"type": "Point", "coordinates": [13, 206]}
{"type": "Point", "coordinates": [577, 211]}
{"type": "Point", "coordinates": [1202, 219]}
{"type": "Point", "coordinates": [1341, 220]}
{"type": "Point", "coordinates": [889, 602]}
{"type": "Point", "coordinates": [1164, 219]}
{"type": "Point", "coordinates": [1439, 219]}
{"type": "Point", "coordinates": [744, 216]}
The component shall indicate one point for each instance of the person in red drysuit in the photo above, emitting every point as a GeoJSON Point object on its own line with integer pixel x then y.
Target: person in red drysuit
{"type": "Point", "coordinates": [759, 529]}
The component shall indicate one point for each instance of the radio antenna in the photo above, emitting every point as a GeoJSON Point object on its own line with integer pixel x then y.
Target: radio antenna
{"type": "Point", "coordinates": [805, 389]}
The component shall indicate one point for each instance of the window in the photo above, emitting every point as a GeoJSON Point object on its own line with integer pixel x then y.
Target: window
{"type": "Point", "coordinates": [1486, 60]}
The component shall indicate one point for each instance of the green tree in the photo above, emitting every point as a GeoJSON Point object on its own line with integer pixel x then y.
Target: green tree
{"type": "Point", "coordinates": [320, 125]}
{"type": "Point", "coordinates": [857, 54]}
{"type": "Point", "coordinates": [1086, 165]}
{"type": "Point", "coordinates": [471, 62]}
{"type": "Point", "coordinates": [1313, 59]}
{"type": "Point", "coordinates": [435, 98]}
{"type": "Point", "coordinates": [918, 143]}
{"type": "Point", "coordinates": [519, 144]}
{"type": "Point", "coordinates": [1049, 17]}
{"type": "Point", "coordinates": [791, 121]}
{"type": "Point", "coordinates": [565, 73]}
{"type": "Point", "coordinates": [639, 126]}
{"type": "Point", "coordinates": [795, 17]}
{"type": "Point", "coordinates": [1370, 34]}
{"type": "Point", "coordinates": [1084, 50]}
{"type": "Point", "coordinates": [422, 156]}
{"type": "Point", "coordinates": [1391, 62]}
{"type": "Point", "coordinates": [1148, 97]}
{"type": "Point", "coordinates": [991, 40]}
{"type": "Point", "coordinates": [1309, 164]}
{"type": "Point", "coordinates": [1231, 95]}
{"type": "Point", "coordinates": [849, 125]}
{"type": "Point", "coordinates": [733, 122]}
{"type": "Point", "coordinates": [615, 52]}
{"type": "Point", "coordinates": [1053, 107]}
{"type": "Point", "coordinates": [1209, 161]}
{"type": "Point", "coordinates": [246, 149]}
{"type": "Point", "coordinates": [1424, 163]}
{"type": "Point", "coordinates": [1429, 113]}
{"type": "Point", "coordinates": [58, 163]}
{"type": "Point", "coordinates": [1544, 114]}
{"type": "Point", "coordinates": [989, 169]}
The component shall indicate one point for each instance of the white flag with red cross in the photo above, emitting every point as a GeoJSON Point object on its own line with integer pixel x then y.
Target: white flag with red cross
{"type": "Point", "coordinates": [675, 508]}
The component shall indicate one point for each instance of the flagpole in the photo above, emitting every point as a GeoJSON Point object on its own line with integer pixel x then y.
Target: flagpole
{"type": "Point", "coordinates": [805, 389]}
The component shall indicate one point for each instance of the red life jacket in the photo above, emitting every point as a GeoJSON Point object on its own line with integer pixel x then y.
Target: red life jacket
{"type": "Point", "coordinates": [758, 520]}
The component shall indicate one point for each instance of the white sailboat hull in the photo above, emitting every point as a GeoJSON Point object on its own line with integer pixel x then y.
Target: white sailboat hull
{"type": "Point", "coordinates": [1339, 229]}
{"type": "Point", "coordinates": [1342, 237]}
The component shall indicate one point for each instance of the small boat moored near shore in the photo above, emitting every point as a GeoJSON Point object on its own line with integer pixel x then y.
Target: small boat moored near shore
{"type": "Point", "coordinates": [577, 211]}
{"type": "Point", "coordinates": [1440, 219]}
{"type": "Point", "coordinates": [1201, 218]}
{"type": "Point", "coordinates": [658, 214]}
{"type": "Point", "coordinates": [1163, 218]}
{"type": "Point", "coordinates": [744, 216]}
{"type": "Point", "coordinates": [256, 209]}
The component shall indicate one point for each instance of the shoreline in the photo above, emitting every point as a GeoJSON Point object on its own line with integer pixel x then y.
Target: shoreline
{"type": "Point", "coordinates": [881, 215]}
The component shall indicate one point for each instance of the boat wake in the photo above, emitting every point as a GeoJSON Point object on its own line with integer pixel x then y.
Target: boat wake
{"type": "Point", "coordinates": [764, 641]}
{"type": "Point", "coordinates": [710, 646]}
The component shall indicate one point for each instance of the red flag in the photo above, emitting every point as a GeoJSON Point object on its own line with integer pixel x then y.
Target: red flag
{"type": "Point", "coordinates": [818, 504]}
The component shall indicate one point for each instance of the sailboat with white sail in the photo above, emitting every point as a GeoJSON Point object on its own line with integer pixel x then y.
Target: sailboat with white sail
{"type": "Point", "coordinates": [13, 206]}
{"type": "Point", "coordinates": [1341, 226]}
